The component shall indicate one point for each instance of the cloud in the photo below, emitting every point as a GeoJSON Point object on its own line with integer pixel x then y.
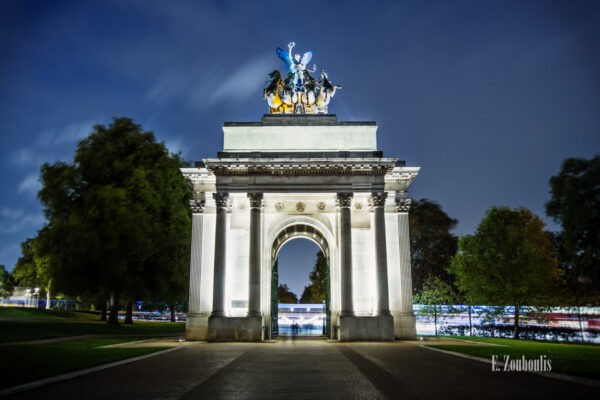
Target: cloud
{"type": "Point", "coordinates": [22, 157]}
{"type": "Point", "coordinates": [170, 85]}
{"type": "Point", "coordinates": [16, 220]}
{"type": "Point", "coordinates": [50, 143]}
{"type": "Point", "coordinates": [244, 82]}
{"type": "Point", "coordinates": [31, 184]}
{"type": "Point", "coordinates": [68, 134]}
{"type": "Point", "coordinates": [212, 86]}
{"type": "Point", "coordinates": [8, 255]}
{"type": "Point", "coordinates": [11, 213]}
{"type": "Point", "coordinates": [174, 145]}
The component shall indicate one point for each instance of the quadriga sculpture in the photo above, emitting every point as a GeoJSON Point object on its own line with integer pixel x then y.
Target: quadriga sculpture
{"type": "Point", "coordinates": [298, 92]}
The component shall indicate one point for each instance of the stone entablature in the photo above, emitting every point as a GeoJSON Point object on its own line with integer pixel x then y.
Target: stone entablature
{"type": "Point", "coordinates": [299, 166]}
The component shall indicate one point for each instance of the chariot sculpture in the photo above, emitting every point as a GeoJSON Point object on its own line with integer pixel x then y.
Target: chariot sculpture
{"type": "Point", "coordinates": [298, 92]}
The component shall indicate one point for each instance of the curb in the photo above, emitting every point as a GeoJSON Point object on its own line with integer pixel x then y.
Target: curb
{"type": "Point", "coordinates": [554, 375]}
{"type": "Point", "coordinates": [75, 374]}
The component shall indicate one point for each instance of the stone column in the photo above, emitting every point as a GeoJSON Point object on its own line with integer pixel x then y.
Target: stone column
{"type": "Point", "coordinates": [197, 207]}
{"type": "Point", "coordinates": [344, 201]}
{"type": "Point", "coordinates": [378, 204]}
{"type": "Point", "coordinates": [196, 325]}
{"type": "Point", "coordinates": [256, 201]}
{"type": "Point", "coordinates": [404, 319]}
{"type": "Point", "coordinates": [222, 202]}
{"type": "Point", "coordinates": [403, 205]}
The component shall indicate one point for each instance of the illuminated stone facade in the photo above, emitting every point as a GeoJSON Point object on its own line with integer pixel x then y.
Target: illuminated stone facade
{"type": "Point", "coordinates": [308, 176]}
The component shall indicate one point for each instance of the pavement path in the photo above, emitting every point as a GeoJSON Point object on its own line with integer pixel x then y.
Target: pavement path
{"type": "Point", "coordinates": [308, 369]}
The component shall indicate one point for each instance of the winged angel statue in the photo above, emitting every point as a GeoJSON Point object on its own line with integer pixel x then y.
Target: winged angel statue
{"type": "Point", "coordinates": [298, 91]}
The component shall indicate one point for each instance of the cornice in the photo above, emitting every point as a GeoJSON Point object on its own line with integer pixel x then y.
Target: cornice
{"type": "Point", "coordinates": [332, 166]}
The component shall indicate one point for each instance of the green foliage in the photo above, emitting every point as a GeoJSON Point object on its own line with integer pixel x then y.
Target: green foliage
{"type": "Point", "coordinates": [7, 283]}
{"type": "Point", "coordinates": [118, 218]}
{"type": "Point", "coordinates": [436, 292]}
{"type": "Point", "coordinates": [25, 271]}
{"type": "Point", "coordinates": [433, 296]}
{"type": "Point", "coordinates": [32, 268]}
{"type": "Point", "coordinates": [431, 243]}
{"type": "Point", "coordinates": [508, 261]}
{"type": "Point", "coordinates": [315, 293]}
{"type": "Point", "coordinates": [285, 295]}
{"type": "Point", "coordinates": [575, 204]}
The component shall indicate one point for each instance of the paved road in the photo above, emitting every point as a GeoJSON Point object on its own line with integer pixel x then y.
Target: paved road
{"type": "Point", "coordinates": [307, 369]}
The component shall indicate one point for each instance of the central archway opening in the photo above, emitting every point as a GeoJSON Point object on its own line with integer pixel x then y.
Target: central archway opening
{"type": "Point", "coordinates": [300, 286]}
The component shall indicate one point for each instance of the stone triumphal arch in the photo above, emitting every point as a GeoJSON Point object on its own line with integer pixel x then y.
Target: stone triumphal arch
{"type": "Point", "coordinates": [291, 176]}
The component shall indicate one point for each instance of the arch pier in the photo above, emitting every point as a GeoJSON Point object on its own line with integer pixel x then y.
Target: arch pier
{"type": "Point", "coordinates": [306, 176]}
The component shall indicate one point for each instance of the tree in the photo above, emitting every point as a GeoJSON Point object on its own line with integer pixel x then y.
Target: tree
{"type": "Point", "coordinates": [307, 295]}
{"type": "Point", "coordinates": [433, 296]}
{"type": "Point", "coordinates": [508, 261]}
{"type": "Point", "coordinates": [118, 219]}
{"type": "Point", "coordinates": [315, 293]}
{"type": "Point", "coordinates": [575, 205]}
{"type": "Point", "coordinates": [7, 283]}
{"type": "Point", "coordinates": [431, 243]}
{"type": "Point", "coordinates": [285, 295]}
{"type": "Point", "coordinates": [25, 272]}
{"type": "Point", "coordinates": [31, 269]}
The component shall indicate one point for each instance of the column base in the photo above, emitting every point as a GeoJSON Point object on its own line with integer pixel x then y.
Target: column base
{"type": "Point", "coordinates": [196, 326]}
{"type": "Point", "coordinates": [405, 325]}
{"type": "Point", "coordinates": [378, 328]}
{"type": "Point", "coordinates": [237, 329]}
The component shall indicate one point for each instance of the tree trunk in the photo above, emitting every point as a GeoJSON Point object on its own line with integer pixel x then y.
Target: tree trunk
{"type": "Point", "coordinates": [129, 314]}
{"type": "Point", "coordinates": [172, 308]}
{"type": "Point", "coordinates": [435, 320]}
{"type": "Point", "coordinates": [470, 323]}
{"type": "Point", "coordinates": [517, 309]}
{"type": "Point", "coordinates": [48, 294]}
{"type": "Point", "coordinates": [113, 317]}
{"type": "Point", "coordinates": [103, 312]}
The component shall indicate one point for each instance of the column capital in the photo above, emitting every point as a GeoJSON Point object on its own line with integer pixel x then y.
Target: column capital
{"type": "Point", "coordinates": [344, 200]}
{"type": "Point", "coordinates": [403, 204]}
{"type": "Point", "coordinates": [197, 206]}
{"type": "Point", "coordinates": [221, 199]}
{"type": "Point", "coordinates": [256, 200]}
{"type": "Point", "coordinates": [377, 199]}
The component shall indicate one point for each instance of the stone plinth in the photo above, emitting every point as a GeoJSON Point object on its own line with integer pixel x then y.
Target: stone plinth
{"type": "Point", "coordinates": [237, 329]}
{"type": "Point", "coordinates": [196, 327]}
{"type": "Point", "coordinates": [380, 328]}
{"type": "Point", "coordinates": [404, 326]}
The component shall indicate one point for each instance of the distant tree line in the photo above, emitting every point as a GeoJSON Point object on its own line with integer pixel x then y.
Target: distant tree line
{"type": "Point", "coordinates": [118, 227]}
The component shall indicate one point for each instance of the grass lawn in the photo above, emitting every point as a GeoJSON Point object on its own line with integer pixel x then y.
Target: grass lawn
{"type": "Point", "coordinates": [567, 358]}
{"type": "Point", "coordinates": [21, 324]}
{"type": "Point", "coordinates": [21, 312]}
{"type": "Point", "coordinates": [27, 363]}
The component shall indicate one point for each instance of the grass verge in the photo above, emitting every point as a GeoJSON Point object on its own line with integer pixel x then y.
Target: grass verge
{"type": "Point", "coordinates": [28, 363]}
{"type": "Point", "coordinates": [567, 358]}
{"type": "Point", "coordinates": [31, 324]}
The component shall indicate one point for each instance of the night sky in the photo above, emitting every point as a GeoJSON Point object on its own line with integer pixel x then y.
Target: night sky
{"type": "Point", "coordinates": [488, 97]}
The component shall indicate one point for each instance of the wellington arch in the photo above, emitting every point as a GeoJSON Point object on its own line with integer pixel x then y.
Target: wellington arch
{"type": "Point", "coordinates": [309, 176]}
